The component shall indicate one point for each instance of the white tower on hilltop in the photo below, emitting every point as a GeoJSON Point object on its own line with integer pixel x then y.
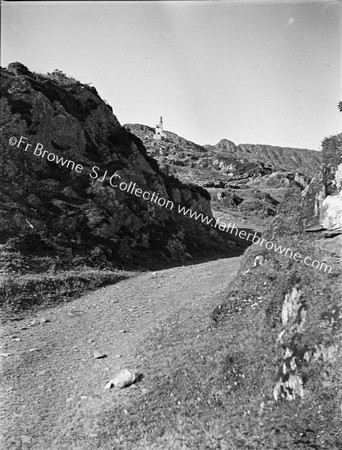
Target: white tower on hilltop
{"type": "Point", "coordinates": [158, 132]}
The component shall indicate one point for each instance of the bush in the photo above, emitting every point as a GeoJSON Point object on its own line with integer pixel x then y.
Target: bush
{"type": "Point", "coordinates": [62, 78]}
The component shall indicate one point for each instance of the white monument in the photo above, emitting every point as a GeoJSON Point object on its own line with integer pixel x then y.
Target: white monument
{"type": "Point", "coordinates": [158, 132]}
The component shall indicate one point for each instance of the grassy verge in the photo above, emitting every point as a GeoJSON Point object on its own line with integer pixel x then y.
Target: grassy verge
{"type": "Point", "coordinates": [19, 293]}
{"type": "Point", "coordinates": [211, 387]}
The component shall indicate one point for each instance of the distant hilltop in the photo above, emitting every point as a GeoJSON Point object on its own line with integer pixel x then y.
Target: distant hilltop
{"type": "Point", "coordinates": [224, 162]}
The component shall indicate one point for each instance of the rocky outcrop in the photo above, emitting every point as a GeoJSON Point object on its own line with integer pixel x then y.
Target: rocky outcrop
{"type": "Point", "coordinates": [325, 210]}
{"type": "Point", "coordinates": [289, 289]}
{"type": "Point", "coordinates": [63, 150]}
{"type": "Point", "coordinates": [226, 162]}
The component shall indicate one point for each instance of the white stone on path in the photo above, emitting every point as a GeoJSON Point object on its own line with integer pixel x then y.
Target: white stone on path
{"type": "Point", "coordinates": [123, 379]}
{"type": "Point", "coordinates": [99, 355]}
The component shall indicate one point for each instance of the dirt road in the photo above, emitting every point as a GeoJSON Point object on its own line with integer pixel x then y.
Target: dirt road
{"type": "Point", "coordinates": [53, 384]}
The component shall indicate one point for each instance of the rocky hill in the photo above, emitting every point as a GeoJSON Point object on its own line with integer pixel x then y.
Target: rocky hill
{"type": "Point", "coordinates": [246, 182]}
{"type": "Point", "coordinates": [225, 163]}
{"type": "Point", "coordinates": [63, 156]}
{"type": "Point", "coordinates": [272, 158]}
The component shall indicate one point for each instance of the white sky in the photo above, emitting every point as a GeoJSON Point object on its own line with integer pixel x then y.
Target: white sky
{"type": "Point", "coordinates": [247, 71]}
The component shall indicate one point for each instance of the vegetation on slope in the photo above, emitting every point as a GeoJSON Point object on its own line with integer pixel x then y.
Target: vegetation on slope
{"type": "Point", "coordinates": [267, 373]}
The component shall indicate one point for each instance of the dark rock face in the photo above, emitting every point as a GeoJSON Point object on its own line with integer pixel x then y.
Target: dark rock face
{"type": "Point", "coordinates": [49, 205]}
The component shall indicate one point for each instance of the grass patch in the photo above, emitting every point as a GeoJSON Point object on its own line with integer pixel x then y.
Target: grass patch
{"type": "Point", "coordinates": [212, 387]}
{"type": "Point", "coordinates": [19, 293]}
{"type": "Point", "coordinates": [214, 390]}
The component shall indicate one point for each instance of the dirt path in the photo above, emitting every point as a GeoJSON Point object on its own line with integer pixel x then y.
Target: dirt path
{"type": "Point", "coordinates": [51, 380]}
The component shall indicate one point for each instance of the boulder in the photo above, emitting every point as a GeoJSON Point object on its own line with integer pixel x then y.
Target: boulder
{"type": "Point", "coordinates": [121, 380]}
{"type": "Point", "coordinates": [331, 212]}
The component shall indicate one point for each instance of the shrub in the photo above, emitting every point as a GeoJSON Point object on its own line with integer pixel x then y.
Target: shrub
{"type": "Point", "coordinates": [62, 79]}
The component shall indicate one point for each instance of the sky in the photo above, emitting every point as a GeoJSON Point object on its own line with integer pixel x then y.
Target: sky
{"type": "Point", "coordinates": [251, 72]}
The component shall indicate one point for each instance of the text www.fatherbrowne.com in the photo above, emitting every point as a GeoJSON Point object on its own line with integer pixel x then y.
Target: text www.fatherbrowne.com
{"type": "Point", "coordinates": [154, 197]}
{"type": "Point", "coordinates": [254, 238]}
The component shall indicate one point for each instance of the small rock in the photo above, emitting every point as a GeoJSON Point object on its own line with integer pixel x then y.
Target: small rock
{"type": "Point", "coordinates": [33, 349]}
{"type": "Point", "coordinates": [25, 439]}
{"type": "Point", "coordinates": [99, 355]}
{"type": "Point", "coordinates": [4, 355]}
{"type": "Point", "coordinates": [123, 379]}
{"type": "Point", "coordinates": [75, 312]}
{"type": "Point", "coordinates": [258, 261]}
{"type": "Point", "coordinates": [33, 200]}
{"type": "Point", "coordinates": [118, 356]}
{"type": "Point", "coordinates": [44, 320]}
{"type": "Point", "coordinates": [122, 331]}
{"type": "Point", "coordinates": [109, 385]}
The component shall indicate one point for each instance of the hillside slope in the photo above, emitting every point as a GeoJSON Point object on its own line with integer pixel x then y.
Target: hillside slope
{"type": "Point", "coordinates": [220, 164]}
{"type": "Point", "coordinates": [268, 373]}
{"type": "Point", "coordinates": [61, 148]}
{"type": "Point", "coordinates": [246, 182]}
{"type": "Point", "coordinates": [274, 158]}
